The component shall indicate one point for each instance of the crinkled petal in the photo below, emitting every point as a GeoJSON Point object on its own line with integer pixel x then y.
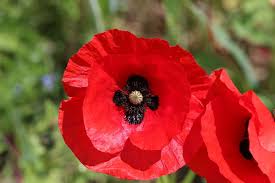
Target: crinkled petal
{"type": "Point", "coordinates": [221, 84]}
{"type": "Point", "coordinates": [127, 165]}
{"type": "Point", "coordinates": [75, 78]}
{"type": "Point", "coordinates": [112, 42]}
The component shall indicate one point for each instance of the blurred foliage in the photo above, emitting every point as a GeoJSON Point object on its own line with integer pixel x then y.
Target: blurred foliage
{"type": "Point", "coordinates": [38, 37]}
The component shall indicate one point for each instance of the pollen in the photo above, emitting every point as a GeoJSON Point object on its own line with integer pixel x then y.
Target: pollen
{"type": "Point", "coordinates": [136, 97]}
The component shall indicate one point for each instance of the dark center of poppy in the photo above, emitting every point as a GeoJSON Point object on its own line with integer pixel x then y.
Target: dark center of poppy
{"type": "Point", "coordinates": [244, 144]}
{"type": "Point", "coordinates": [134, 98]}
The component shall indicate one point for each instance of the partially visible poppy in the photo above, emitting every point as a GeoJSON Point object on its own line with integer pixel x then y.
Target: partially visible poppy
{"type": "Point", "coordinates": [237, 133]}
{"type": "Point", "coordinates": [261, 132]}
{"type": "Point", "coordinates": [132, 103]}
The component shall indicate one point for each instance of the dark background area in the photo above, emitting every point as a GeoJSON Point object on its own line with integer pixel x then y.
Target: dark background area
{"type": "Point", "coordinates": [38, 37]}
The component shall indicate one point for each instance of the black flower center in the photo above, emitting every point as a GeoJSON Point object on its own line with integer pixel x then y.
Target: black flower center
{"type": "Point", "coordinates": [244, 144]}
{"type": "Point", "coordinates": [134, 98]}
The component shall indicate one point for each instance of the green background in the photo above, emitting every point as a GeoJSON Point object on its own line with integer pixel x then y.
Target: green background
{"type": "Point", "coordinates": [38, 36]}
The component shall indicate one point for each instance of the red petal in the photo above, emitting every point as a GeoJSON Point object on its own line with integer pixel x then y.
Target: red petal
{"type": "Point", "coordinates": [222, 129]}
{"type": "Point", "coordinates": [168, 81]}
{"type": "Point", "coordinates": [261, 137]}
{"type": "Point", "coordinates": [112, 42]}
{"type": "Point", "coordinates": [75, 78]}
{"type": "Point", "coordinates": [154, 164]}
{"type": "Point", "coordinates": [128, 167]}
{"type": "Point", "coordinates": [264, 158]}
{"type": "Point", "coordinates": [74, 134]}
{"type": "Point", "coordinates": [123, 44]}
{"type": "Point", "coordinates": [197, 77]}
{"type": "Point", "coordinates": [196, 156]}
{"type": "Point", "coordinates": [104, 121]}
{"type": "Point", "coordinates": [171, 158]}
{"type": "Point", "coordinates": [222, 84]}
{"type": "Point", "coordinates": [203, 166]}
{"type": "Point", "coordinates": [222, 132]}
{"type": "Point", "coordinates": [162, 125]}
{"type": "Point", "coordinates": [193, 142]}
{"type": "Point", "coordinates": [138, 158]}
{"type": "Point", "coordinates": [190, 136]}
{"type": "Point", "coordinates": [262, 119]}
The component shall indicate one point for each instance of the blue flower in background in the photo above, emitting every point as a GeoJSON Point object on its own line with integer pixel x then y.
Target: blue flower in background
{"type": "Point", "coordinates": [48, 81]}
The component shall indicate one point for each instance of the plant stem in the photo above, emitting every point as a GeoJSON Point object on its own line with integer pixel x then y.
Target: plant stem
{"type": "Point", "coordinates": [96, 10]}
{"type": "Point", "coordinates": [189, 177]}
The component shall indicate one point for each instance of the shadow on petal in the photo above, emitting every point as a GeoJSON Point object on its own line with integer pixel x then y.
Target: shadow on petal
{"type": "Point", "coordinates": [138, 158]}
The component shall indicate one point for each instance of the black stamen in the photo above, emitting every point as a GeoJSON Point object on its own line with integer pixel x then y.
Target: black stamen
{"type": "Point", "coordinates": [244, 149]}
{"type": "Point", "coordinates": [135, 97]}
{"type": "Point", "coordinates": [244, 144]}
{"type": "Point", "coordinates": [152, 102]}
{"type": "Point", "coordinates": [137, 83]}
{"type": "Point", "coordinates": [119, 98]}
{"type": "Point", "coordinates": [134, 114]}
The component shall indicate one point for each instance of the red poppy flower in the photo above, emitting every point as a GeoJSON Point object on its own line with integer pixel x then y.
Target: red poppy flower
{"type": "Point", "coordinates": [132, 103]}
{"type": "Point", "coordinates": [238, 134]}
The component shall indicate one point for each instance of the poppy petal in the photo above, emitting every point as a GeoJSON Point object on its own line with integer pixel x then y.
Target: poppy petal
{"type": "Point", "coordinates": [145, 158]}
{"type": "Point", "coordinates": [264, 158]}
{"type": "Point", "coordinates": [223, 126]}
{"type": "Point", "coordinates": [162, 125]}
{"type": "Point", "coordinates": [223, 145]}
{"type": "Point", "coordinates": [190, 137]}
{"type": "Point", "coordinates": [169, 161]}
{"type": "Point", "coordinates": [221, 84]}
{"type": "Point", "coordinates": [261, 150]}
{"type": "Point", "coordinates": [75, 78]}
{"type": "Point", "coordinates": [72, 129]}
{"type": "Point", "coordinates": [201, 163]}
{"type": "Point", "coordinates": [197, 77]}
{"type": "Point", "coordinates": [104, 122]}
{"type": "Point", "coordinates": [262, 119]}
